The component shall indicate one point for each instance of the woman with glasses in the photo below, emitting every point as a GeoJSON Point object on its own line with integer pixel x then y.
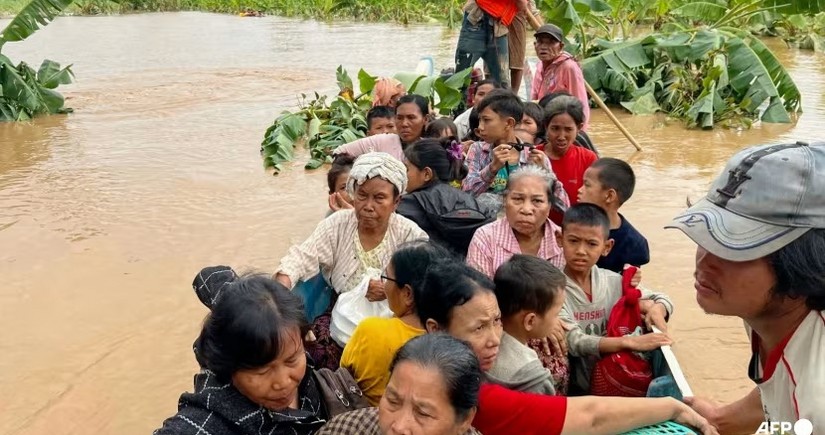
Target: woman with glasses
{"type": "Point", "coordinates": [375, 341]}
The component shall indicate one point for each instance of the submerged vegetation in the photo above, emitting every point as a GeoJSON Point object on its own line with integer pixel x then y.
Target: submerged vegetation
{"type": "Point", "coordinates": [324, 125]}
{"type": "Point", "coordinates": [408, 11]}
{"type": "Point", "coordinates": [701, 62]}
{"type": "Point", "coordinates": [24, 92]}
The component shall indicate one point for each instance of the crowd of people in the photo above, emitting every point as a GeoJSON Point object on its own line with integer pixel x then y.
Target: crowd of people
{"type": "Point", "coordinates": [496, 247]}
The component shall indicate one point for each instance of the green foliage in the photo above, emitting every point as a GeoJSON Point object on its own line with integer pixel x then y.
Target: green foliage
{"type": "Point", "coordinates": [704, 76]}
{"type": "Point", "coordinates": [700, 64]}
{"type": "Point", "coordinates": [24, 92]}
{"type": "Point", "coordinates": [323, 125]}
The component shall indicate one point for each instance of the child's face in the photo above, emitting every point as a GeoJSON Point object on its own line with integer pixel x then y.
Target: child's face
{"type": "Point", "coordinates": [341, 186]}
{"type": "Point", "coordinates": [529, 124]}
{"type": "Point", "coordinates": [593, 191]}
{"type": "Point", "coordinates": [494, 128]}
{"type": "Point", "coordinates": [543, 324]}
{"type": "Point", "coordinates": [381, 126]}
{"type": "Point", "coordinates": [583, 246]}
{"type": "Point", "coordinates": [561, 133]}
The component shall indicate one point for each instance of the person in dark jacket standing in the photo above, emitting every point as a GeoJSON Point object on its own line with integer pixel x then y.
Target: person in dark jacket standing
{"type": "Point", "coordinates": [447, 214]}
{"type": "Point", "coordinates": [255, 375]}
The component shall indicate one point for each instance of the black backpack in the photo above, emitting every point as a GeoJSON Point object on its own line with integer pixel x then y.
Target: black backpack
{"type": "Point", "coordinates": [454, 214]}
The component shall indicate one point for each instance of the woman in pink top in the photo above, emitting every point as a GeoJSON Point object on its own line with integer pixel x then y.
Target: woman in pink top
{"type": "Point", "coordinates": [411, 116]}
{"type": "Point", "coordinates": [526, 229]}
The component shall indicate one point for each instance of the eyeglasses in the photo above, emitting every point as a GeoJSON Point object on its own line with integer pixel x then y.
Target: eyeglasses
{"type": "Point", "coordinates": [385, 278]}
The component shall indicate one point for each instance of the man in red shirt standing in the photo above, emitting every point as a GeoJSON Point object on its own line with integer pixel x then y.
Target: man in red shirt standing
{"type": "Point", "coordinates": [557, 69]}
{"type": "Point", "coordinates": [484, 36]}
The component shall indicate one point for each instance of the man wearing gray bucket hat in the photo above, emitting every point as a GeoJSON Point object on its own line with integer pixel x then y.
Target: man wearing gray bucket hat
{"type": "Point", "coordinates": [760, 233]}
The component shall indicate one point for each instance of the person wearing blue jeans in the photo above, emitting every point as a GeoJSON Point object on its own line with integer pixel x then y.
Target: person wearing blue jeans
{"type": "Point", "coordinates": [483, 37]}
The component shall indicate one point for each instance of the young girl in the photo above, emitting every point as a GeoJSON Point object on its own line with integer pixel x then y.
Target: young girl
{"type": "Point", "coordinates": [337, 182]}
{"type": "Point", "coordinates": [441, 128]}
{"type": "Point", "coordinates": [565, 117]}
{"type": "Point", "coordinates": [432, 166]}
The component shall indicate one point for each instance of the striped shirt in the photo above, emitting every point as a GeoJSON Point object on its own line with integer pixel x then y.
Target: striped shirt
{"type": "Point", "coordinates": [495, 243]}
{"type": "Point", "coordinates": [480, 176]}
{"type": "Point", "coordinates": [334, 247]}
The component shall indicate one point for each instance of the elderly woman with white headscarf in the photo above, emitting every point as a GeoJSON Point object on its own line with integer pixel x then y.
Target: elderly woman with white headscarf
{"type": "Point", "coordinates": [350, 241]}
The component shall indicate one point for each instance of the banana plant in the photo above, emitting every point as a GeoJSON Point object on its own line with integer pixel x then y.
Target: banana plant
{"type": "Point", "coordinates": [24, 92]}
{"type": "Point", "coordinates": [706, 75]}
{"type": "Point", "coordinates": [323, 125]}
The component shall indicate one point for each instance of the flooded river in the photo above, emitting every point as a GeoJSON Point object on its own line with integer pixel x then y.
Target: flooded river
{"type": "Point", "coordinates": [107, 214]}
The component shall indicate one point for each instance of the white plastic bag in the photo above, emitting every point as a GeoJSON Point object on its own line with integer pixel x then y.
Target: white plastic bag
{"type": "Point", "coordinates": [353, 306]}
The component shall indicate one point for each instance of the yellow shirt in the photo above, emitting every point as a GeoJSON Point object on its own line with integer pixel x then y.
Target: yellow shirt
{"type": "Point", "coordinates": [370, 351]}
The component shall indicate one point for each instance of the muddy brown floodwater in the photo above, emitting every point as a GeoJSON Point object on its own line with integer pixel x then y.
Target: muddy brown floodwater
{"type": "Point", "coordinates": [107, 214]}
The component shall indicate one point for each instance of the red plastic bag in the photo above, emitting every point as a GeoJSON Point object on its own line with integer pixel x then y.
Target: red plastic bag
{"type": "Point", "coordinates": [623, 373]}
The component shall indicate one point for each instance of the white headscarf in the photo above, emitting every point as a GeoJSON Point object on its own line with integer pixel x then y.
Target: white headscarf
{"type": "Point", "coordinates": [375, 164]}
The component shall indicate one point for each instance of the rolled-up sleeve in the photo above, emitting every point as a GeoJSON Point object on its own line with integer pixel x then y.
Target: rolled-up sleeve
{"type": "Point", "coordinates": [580, 343]}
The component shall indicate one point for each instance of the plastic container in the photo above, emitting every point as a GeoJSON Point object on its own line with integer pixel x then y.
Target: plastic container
{"type": "Point", "coordinates": [667, 427]}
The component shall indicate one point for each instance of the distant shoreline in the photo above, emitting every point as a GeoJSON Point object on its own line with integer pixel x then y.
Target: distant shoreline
{"type": "Point", "coordinates": [403, 11]}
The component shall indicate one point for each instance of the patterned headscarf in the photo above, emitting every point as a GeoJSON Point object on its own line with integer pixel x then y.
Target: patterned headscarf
{"type": "Point", "coordinates": [375, 164]}
{"type": "Point", "coordinates": [385, 89]}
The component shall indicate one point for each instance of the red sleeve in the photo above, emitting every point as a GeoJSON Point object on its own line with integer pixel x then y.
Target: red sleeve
{"type": "Point", "coordinates": [502, 411]}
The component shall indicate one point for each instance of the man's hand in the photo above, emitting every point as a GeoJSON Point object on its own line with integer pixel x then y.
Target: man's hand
{"type": "Point", "coordinates": [694, 418]}
{"type": "Point", "coordinates": [375, 291]}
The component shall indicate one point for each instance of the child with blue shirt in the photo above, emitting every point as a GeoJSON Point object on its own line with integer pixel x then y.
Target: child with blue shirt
{"type": "Point", "coordinates": [609, 183]}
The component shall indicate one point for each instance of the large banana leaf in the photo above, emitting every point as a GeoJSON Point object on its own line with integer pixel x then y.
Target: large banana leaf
{"type": "Point", "coordinates": [50, 75]}
{"type": "Point", "coordinates": [757, 75]}
{"type": "Point", "coordinates": [15, 88]}
{"type": "Point", "coordinates": [36, 14]}
{"type": "Point", "coordinates": [707, 11]}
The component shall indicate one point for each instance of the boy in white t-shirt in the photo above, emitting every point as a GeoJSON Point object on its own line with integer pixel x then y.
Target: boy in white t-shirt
{"type": "Point", "coordinates": [592, 292]}
{"type": "Point", "coordinates": [760, 233]}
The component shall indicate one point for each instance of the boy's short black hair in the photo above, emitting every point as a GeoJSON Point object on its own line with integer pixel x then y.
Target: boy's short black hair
{"type": "Point", "coordinates": [503, 102]}
{"type": "Point", "coordinates": [589, 215]}
{"type": "Point", "coordinates": [525, 282]}
{"type": "Point", "coordinates": [379, 112]}
{"type": "Point", "coordinates": [616, 174]}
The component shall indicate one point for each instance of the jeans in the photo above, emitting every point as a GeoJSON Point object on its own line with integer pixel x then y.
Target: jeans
{"type": "Point", "coordinates": [478, 41]}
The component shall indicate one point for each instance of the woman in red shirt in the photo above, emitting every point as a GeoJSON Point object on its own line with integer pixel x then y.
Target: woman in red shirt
{"type": "Point", "coordinates": [564, 117]}
{"type": "Point", "coordinates": [460, 301]}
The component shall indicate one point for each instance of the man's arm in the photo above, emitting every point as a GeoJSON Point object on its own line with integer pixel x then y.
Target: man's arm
{"type": "Point", "coordinates": [612, 415]}
{"type": "Point", "coordinates": [741, 417]}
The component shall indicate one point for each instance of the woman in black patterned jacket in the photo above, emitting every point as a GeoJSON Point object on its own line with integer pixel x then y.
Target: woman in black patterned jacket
{"type": "Point", "coordinates": [255, 375]}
